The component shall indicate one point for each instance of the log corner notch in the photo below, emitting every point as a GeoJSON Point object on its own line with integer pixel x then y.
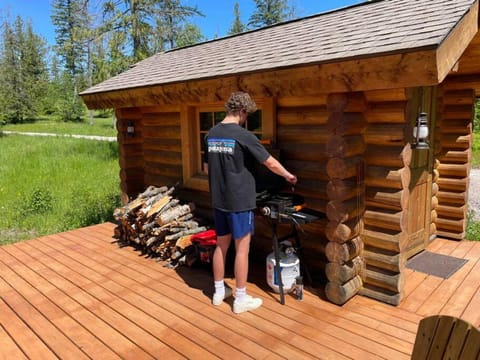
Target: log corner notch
{"type": "Point", "coordinates": [346, 192]}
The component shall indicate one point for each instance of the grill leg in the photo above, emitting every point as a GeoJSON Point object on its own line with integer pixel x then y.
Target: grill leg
{"type": "Point", "coordinates": [277, 269]}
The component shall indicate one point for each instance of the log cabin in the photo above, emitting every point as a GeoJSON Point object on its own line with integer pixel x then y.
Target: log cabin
{"type": "Point", "coordinates": [341, 95]}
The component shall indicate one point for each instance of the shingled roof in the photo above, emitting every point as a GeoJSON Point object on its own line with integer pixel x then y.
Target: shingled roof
{"type": "Point", "coordinates": [365, 30]}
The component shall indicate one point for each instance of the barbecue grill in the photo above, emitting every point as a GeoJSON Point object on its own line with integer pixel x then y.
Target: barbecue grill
{"type": "Point", "coordinates": [286, 208]}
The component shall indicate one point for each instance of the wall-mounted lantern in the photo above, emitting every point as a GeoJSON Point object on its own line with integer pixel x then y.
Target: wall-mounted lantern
{"type": "Point", "coordinates": [420, 132]}
{"type": "Point", "coordinates": [130, 129]}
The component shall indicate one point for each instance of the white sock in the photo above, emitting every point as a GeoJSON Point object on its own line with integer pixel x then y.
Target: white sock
{"type": "Point", "coordinates": [240, 294]}
{"type": "Point", "coordinates": [219, 287]}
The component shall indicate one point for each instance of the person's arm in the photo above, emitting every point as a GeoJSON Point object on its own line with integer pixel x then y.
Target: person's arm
{"type": "Point", "coordinates": [274, 166]}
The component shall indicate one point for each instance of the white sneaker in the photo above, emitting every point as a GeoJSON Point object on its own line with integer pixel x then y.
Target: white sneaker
{"type": "Point", "coordinates": [250, 303]}
{"type": "Point", "coordinates": [218, 299]}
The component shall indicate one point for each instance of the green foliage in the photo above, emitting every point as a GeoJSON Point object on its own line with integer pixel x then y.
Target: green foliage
{"type": "Point", "coordinates": [269, 12]}
{"type": "Point", "coordinates": [237, 26]}
{"type": "Point", "coordinates": [39, 201]}
{"type": "Point", "coordinates": [51, 185]}
{"type": "Point", "coordinates": [473, 228]}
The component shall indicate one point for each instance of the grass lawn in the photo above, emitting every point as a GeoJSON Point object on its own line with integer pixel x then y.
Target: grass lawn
{"type": "Point", "coordinates": [101, 126]}
{"type": "Point", "coordinates": [54, 184]}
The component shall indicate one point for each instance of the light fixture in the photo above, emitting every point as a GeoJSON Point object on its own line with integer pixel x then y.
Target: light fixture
{"type": "Point", "coordinates": [420, 132]}
{"type": "Point", "coordinates": [130, 129]}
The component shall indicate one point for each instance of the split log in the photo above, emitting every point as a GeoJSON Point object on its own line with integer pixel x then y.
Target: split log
{"type": "Point", "coordinates": [340, 293]}
{"type": "Point", "coordinates": [173, 213]}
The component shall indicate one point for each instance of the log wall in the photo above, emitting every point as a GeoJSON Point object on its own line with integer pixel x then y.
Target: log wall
{"type": "Point", "coordinates": [345, 169]}
{"type": "Point", "coordinates": [387, 194]}
{"type": "Point", "coordinates": [453, 155]}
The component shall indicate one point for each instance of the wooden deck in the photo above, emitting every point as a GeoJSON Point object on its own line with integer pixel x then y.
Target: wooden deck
{"type": "Point", "coordinates": [78, 295]}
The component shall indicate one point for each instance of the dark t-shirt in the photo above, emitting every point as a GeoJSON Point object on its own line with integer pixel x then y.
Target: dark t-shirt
{"type": "Point", "coordinates": [232, 151]}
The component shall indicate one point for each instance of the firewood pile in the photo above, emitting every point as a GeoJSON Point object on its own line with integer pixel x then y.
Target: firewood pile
{"type": "Point", "coordinates": [159, 225]}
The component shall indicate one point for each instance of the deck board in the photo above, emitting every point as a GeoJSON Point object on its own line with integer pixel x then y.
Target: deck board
{"type": "Point", "coordinates": [78, 294]}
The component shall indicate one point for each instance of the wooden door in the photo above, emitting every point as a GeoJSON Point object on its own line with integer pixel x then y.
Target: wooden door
{"type": "Point", "coordinates": [419, 208]}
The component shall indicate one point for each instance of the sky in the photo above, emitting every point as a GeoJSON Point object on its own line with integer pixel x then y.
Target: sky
{"type": "Point", "coordinates": [216, 23]}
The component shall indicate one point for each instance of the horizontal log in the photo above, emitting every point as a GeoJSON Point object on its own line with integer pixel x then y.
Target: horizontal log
{"type": "Point", "coordinates": [452, 212]}
{"type": "Point", "coordinates": [385, 95]}
{"type": "Point", "coordinates": [384, 259]}
{"type": "Point", "coordinates": [435, 175]}
{"type": "Point", "coordinates": [303, 151]}
{"type": "Point", "coordinates": [453, 225]}
{"type": "Point", "coordinates": [340, 293]}
{"type": "Point", "coordinates": [161, 118]}
{"type": "Point", "coordinates": [343, 189]}
{"type": "Point", "coordinates": [311, 134]}
{"type": "Point", "coordinates": [342, 232]}
{"type": "Point", "coordinates": [342, 253]}
{"type": "Point", "coordinates": [435, 189]}
{"type": "Point", "coordinates": [302, 116]}
{"type": "Point", "coordinates": [394, 199]}
{"type": "Point", "coordinates": [384, 279]}
{"type": "Point", "coordinates": [457, 126]}
{"type": "Point", "coordinates": [344, 168]}
{"type": "Point", "coordinates": [455, 142]}
{"type": "Point", "coordinates": [450, 197]}
{"type": "Point", "coordinates": [385, 177]}
{"type": "Point", "coordinates": [161, 132]}
{"type": "Point", "coordinates": [433, 215]}
{"type": "Point", "coordinates": [173, 145]}
{"type": "Point", "coordinates": [308, 169]}
{"type": "Point", "coordinates": [345, 146]}
{"type": "Point", "coordinates": [384, 239]}
{"type": "Point", "coordinates": [343, 272]}
{"type": "Point", "coordinates": [341, 123]}
{"type": "Point", "coordinates": [451, 184]}
{"type": "Point", "coordinates": [283, 103]}
{"type": "Point", "coordinates": [163, 157]}
{"type": "Point", "coordinates": [455, 157]}
{"type": "Point", "coordinates": [433, 202]}
{"type": "Point", "coordinates": [383, 295]}
{"type": "Point", "coordinates": [392, 112]}
{"type": "Point", "coordinates": [451, 234]}
{"type": "Point", "coordinates": [385, 134]}
{"type": "Point", "coordinates": [433, 230]}
{"type": "Point", "coordinates": [457, 111]}
{"type": "Point", "coordinates": [458, 97]}
{"type": "Point", "coordinates": [388, 156]}
{"type": "Point", "coordinates": [383, 218]}
{"type": "Point", "coordinates": [342, 211]}
{"type": "Point", "coordinates": [454, 170]}
{"type": "Point", "coordinates": [127, 113]}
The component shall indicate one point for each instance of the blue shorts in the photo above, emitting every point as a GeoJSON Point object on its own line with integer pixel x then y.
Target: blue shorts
{"type": "Point", "coordinates": [238, 223]}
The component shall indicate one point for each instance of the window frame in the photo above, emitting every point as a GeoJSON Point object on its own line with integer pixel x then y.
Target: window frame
{"type": "Point", "coordinates": [190, 131]}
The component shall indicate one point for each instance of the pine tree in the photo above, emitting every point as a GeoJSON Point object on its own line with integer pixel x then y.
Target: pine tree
{"type": "Point", "coordinates": [269, 12]}
{"type": "Point", "coordinates": [237, 26]}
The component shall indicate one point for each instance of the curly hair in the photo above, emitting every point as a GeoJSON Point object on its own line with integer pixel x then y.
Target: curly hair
{"type": "Point", "coordinates": [240, 100]}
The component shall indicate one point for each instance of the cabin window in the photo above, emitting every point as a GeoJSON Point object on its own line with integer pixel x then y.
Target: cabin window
{"type": "Point", "coordinates": [208, 119]}
{"type": "Point", "coordinates": [197, 121]}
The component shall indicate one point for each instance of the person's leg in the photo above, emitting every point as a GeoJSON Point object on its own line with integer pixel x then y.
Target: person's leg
{"type": "Point", "coordinates": [224, 237]}
{"type": "Point", "coordinates": [220, 255]}
{"type": "Point", "coordinates": [242, 248]}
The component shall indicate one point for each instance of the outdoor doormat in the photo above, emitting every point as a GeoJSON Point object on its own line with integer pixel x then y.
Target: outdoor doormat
{"type": "Point", "coordinates": [439, 265]}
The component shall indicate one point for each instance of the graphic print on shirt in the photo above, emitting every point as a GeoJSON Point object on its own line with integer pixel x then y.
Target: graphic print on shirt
{"type": "Point", "coordinates": [221, 146]}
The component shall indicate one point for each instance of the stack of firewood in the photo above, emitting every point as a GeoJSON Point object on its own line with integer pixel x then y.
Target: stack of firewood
{"type": "Point", "coordinates": [159, 225]}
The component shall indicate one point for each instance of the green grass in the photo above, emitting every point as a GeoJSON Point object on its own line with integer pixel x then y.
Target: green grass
{"type": "Point", "coordinates": [52, 184]}
{"type": "Point", "coordinates": [476, 149]}
{"type": "Point", "coordinates": [101, 126]}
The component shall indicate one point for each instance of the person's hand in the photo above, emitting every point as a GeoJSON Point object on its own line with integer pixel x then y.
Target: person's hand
{"type": "Point", "coordinates": [292, 179]}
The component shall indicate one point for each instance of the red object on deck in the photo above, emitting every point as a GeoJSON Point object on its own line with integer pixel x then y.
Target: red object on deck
{"type": "Point", "coordinates": [205, 238]}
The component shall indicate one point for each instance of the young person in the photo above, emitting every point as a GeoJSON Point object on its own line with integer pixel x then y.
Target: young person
{"type": "Point", "coordinates": [231, 152]}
